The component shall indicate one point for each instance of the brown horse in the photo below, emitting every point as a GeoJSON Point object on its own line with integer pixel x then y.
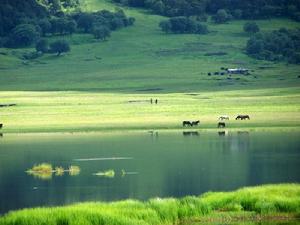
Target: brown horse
{"type": "Point", "coordinates": [242, 117]}
{"type": "Point", "coordinates": [1, 125]}
{"type": "Point", "coordinates": [221, 124]}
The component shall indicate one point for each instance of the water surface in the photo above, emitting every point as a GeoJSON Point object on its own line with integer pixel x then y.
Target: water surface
{"type": "Point", "coordinates": [146, 165]}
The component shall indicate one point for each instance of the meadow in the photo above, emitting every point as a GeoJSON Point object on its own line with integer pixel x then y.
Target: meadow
{"type": "Point", "coordinates": [247, 204]}
{"type": "Point", "coordinates": [73, 111]}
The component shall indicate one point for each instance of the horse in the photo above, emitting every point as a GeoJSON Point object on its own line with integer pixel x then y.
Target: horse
{"type": "Point", "coordinates": [224, 117]}
{"type": "Point", "coordinates": [242, 117]}
{"type": "Point", "coordinates": [1, 125]}
{"type": "Point", "coordinates": [195, 123]}
{"type": "Point", "coordinates": [221, 124]}
{"type": "Point", "coordinates": [187, 123]}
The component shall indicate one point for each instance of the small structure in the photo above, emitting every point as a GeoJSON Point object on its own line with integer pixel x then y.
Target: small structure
{"type": "Point", "coordinates": [238, 71]}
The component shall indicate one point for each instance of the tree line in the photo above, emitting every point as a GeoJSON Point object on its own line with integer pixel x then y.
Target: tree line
{"type": "Point", "coordinates": [235, 9]}
{"type": "Point", "coordinates": [278, 45]}
{"type": "Point", "coordinates": [183, 25]}
{"type": "Point", "coordinates": [26, 23]}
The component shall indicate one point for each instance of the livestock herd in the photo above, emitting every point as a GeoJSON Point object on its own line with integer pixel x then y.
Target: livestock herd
{"type": "Point", "coordinates": [188, 123]}
{"type": "Point", "coordinates": [220, 124]}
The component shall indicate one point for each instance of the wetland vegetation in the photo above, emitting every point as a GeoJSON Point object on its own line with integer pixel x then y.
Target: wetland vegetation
{"type": "Point", "coordinates": [246, 204]}
{"type": "Point", "coordinates": [45, 170]}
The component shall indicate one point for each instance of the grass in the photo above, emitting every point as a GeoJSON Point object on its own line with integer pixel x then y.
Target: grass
{"type": "Point", "coordinates": [247, 204]}
{"type": "Point", "coordinates": [59, 171]}
{"type": "Point", "coordinates": [107, 173]}
{"type": "Point", "coordinates": [74, 170]}
{"type": "Point", "coordinates": [44, 171]}
{"type": "Point", "coordinates": [80, 111]}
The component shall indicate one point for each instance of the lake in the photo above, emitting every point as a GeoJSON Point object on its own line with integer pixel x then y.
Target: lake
{"type": "Point", "coordinates": [142, 165]}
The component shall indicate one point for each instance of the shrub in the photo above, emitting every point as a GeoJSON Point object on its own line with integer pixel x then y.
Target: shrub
{"type": "Point", "coordinates": [251, 27]}
{"type": "Point", "coordinates": [59, 47]}
{"type": "Point", "coordinates": [42, 46]}
{"type": "Point", "coordinates": [23, 35]}
{"type": "Point", "coordinates": [182, 25]}
{"type": "Point", "coordinates": [101, 32]}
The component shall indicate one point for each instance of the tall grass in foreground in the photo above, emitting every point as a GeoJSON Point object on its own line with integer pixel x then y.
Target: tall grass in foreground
{"type": "Point", "coordinates": [267, 200]}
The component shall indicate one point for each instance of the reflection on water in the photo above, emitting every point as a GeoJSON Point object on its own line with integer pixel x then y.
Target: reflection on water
{"type": "Point", "coordinates": [174, 165]}
{"type": "Point", "coordinates": [102, 159]}
{"type": "Point", "coordinates": [190, 133]}
{"type": "Point", "coordinates": [107, 173]}
{"type": "Point", "coordinates": [221, 133]}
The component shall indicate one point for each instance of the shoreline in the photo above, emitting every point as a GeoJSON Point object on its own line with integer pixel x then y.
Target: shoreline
{"type": "Point", "coordinates": [271, 202]}
{"type": "Point", "coordinates": [148, 129]}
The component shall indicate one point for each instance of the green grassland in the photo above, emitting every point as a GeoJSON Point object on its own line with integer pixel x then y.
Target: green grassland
{"type": "Point", "coordinates": [85, 111]}
{"type": "Point", "coordinates": [90, 87]}
{"type": "Point", "coordinates": [247, 204]}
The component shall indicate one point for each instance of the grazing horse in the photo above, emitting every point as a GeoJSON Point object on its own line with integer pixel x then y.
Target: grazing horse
{"type": "Point", "coordinates": [195, 123]}
{"type": "Point", "coordinates": [187, 123]}
{"type": "Point", "coordinates": [221, 124]}
{"type": "Point", "coordinates": [242, 117]}
{"type": "Point", "coordinates": [224, 117]}
{"type": "Point", "coordinates": [1, 125]}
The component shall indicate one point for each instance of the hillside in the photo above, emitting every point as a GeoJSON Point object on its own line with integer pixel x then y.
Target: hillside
{"type": "Point", "coordinates": [143, 62]}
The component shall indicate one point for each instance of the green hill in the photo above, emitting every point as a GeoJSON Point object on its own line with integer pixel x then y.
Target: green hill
{"type": "Point", "coordinates": [141, 62]}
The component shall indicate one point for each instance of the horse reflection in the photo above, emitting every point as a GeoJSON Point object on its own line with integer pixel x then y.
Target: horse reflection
{"type": "Point", "coordinates": [221, 133]}
{"type": "Point", "coordinates": [190, 133]}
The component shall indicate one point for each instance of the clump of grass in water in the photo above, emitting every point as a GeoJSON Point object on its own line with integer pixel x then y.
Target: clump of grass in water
{"type": "Point", "coordinates": [42, 171]}
{"type": "Point", "coordinates": [59, 171]}
{"type": "Point", "coordinates": [74, 170]}
{"type": "Point", "coordinates": [107, 173]}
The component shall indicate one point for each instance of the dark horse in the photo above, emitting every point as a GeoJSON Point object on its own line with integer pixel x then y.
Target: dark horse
{"type": "Point", "coordinates": [188, 123]}
{"type": "Point", "coordinates": [1, 125]}
{"type": "Point", "coordinates": [221, 124]}
{"type": "Point", "coordinates": [195, 123]}
{"type": "Point", "coordinates": [242, 117]}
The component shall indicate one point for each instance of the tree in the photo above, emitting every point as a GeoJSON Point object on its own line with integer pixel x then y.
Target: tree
{"type": "Point", "coordinates": [59, 47]}
{"type": "Point", "coordinates": [23, 35]}
{"type": "Point", "coordinates": [165, 26]}
{"type": "Point", "coordinates": [221, 17]}
{"type": "Point", "coordinates": [116, 23]}
{"type": "Point", "coordinates": [71, 26]}
{"type": "Point", "coordinates": [254, 46]}
{"type": "Point", "coordinates": [45, 26]}
{"type": "Point", "coordinates": [101, 32]}
{"type": "Point", "coordinates": [42, 46]}
{"type": "Point", "coordinates": [201, 29]}
{"type": "Point", "coordinates": [130, 21]}
{"type": "Point", "coordinates": [237, 14]}
{"type": "Point", "coordinates": [85, 21]}
{"type": "Point", "coordinates": [251, 27]}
